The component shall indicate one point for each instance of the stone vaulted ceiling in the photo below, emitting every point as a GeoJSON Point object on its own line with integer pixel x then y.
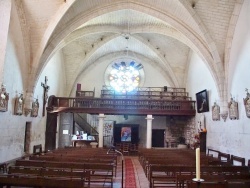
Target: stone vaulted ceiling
{"type": "Point", "coordinates": [160, 32]}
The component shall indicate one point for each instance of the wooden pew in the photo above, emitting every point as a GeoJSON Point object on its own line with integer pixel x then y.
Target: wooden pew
{"type": "Point", "coordinates": [241, 160]}
{"type": "Point", "coordinates": [3, 167]}
{"type": "Point", "coordinates": [50, 172]}
{"type": "Point", "coordinates": [213, 152]}
{"type": "Point", "coordinates": [223, 184]}
{"type": "Point", "coordinates": [165, 175]}
{"type": "Point", "coordinates": [35, 181]}
{"type": "Point", "coordinates": [101, 159]}
{"type": "Point", "coordinates": [223, 159]}
{"type": "Point", "coordinates": [100, 173]}
{"type": "Point", "coordinates": [231, 179]}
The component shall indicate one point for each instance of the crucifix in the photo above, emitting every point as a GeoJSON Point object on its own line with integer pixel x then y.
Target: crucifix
{"type": "Point", "coordinates": [45, 94]}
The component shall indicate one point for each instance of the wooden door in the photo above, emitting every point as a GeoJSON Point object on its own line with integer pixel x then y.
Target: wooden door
{"type": "Point", "coordinates": [27, 137]}
{"type": "Point", "coordinates": [50, 134]}
{"type": "Point", "coordinates": [158, 137]}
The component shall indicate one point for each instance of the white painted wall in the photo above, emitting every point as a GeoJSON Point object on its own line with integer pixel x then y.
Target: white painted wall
{"type": "Point", "coordinates": [15, 75]}
{"type": "Point", "coordinates": [95, 78]}
{"type": "Point", "coordinates": [198, 79]}
{"type": "Point", "coordinates": [54, 71]}
{"type": "Point", "coordinates": [15, 69]}
{"type": "Point", "coordinates": [238, 75]}
{"type": "Point", "coordinates": [231, 136]}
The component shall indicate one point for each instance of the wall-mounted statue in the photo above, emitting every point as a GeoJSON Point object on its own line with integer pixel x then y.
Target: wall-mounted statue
{"type": "Point", "coordinates": [35, 108]}
{"type": "Point", "coordinates": [216, 112]}
{"type": "Point", "coordinates": [4, 98]}
{"type": "Point", "coordinates": [233, 109]}
{"type": "Point", "coordinates": [246, 102]}
{"type": "Point", "coordinates": [19, 105]}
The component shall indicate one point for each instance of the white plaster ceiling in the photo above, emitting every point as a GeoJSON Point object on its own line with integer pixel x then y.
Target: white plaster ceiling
{"type": "Point", "coordinates": [126, 37]}
{"type": "Point", "coordinates": [163, 32]}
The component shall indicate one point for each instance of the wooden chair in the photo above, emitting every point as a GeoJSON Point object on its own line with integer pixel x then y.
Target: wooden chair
{"type": "Point", "coordinates": [237, 159]}
{"type": "Point", "coordinates": [125, 148]}
{"type": "Point", "coordinates": [37, 149]}
{"type": "Point", "coordinates": [118, 146]}
{"type": "Point", "coordinates": [134, 149]}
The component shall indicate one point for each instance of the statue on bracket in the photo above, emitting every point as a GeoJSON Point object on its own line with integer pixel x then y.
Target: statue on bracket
{"type": "Point", "coordinates": [216, 112]}
{"type": "Point", "coordinates": [247, 104]}
{"type": "Point", "coordinates": [19, 105]}
{"type": "Point", "coordinates": [233, 109]}
{"type": "Point", "coordinates": [35, 108]}
{"type": "Point", "coordinates": [4, 98]}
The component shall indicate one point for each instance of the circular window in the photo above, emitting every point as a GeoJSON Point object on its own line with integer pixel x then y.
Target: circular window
{"type": "Point", "coordinates": [124, 76]}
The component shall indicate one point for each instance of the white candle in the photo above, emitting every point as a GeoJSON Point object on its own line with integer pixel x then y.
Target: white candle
{"type": "Point", "coordinates": [198, 167]}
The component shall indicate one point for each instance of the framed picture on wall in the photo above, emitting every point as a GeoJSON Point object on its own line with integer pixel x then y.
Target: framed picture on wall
{"type": "Point", "coordinates": [202, 101]}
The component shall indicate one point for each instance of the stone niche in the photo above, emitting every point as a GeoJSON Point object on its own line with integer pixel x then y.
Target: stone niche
{"type": "Point", "coordinates": [178, 128]}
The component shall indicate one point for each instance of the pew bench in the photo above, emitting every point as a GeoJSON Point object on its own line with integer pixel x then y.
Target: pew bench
{"type": "Point", "coordinates": [166, 175]}
{"type": "Point", "coordinates": [37, 181]}
{"type": "Point", "coordinates": [218, 184]}
{"type": "Point", "coordinates": [42, 172]}
{"type": "Point", "coordinates": [237, 159]}
{"type": "Point", "coordinates": [100, 173]}
{"type": "Point", "coordinates": [182, 180]}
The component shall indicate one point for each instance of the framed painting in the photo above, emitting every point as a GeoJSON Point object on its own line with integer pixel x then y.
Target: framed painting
{"type": "Point", "coordinates": [202, 101]}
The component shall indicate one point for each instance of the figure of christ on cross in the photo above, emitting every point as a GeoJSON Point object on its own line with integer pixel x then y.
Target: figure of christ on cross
{"type": "Point", "coordinates": [45, 94]}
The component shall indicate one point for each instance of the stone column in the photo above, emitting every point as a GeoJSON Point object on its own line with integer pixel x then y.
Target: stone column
{"type": "Point", "coordinates": [149, 131]}
{"type": "Point", "coordinates": [5, 11]}
{"type": "Point", "coordinates": [29, 98]}
{"type": "Point", "coordinates": [100, 129]}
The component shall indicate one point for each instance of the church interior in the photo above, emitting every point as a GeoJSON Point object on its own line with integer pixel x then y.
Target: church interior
{"type": "Point", "coordinates": [147, 82]}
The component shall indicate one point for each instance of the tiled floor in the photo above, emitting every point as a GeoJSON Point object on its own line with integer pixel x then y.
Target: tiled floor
{"type": "Point", "coordinates": [141, 179]}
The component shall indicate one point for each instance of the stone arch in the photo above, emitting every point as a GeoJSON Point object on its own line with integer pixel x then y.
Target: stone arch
{"type": "Point", "coordinates": [41, 58]}
{"type": "Point", "coordinates": [112, 57]}
{"type": "Point", "coordinates": [218, 72]}
{"type": "Point", "coordinates": [228, 46]}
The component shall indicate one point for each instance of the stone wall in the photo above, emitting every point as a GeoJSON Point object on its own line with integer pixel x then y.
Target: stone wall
{"type": "Point", "coordinates": [180, 127]}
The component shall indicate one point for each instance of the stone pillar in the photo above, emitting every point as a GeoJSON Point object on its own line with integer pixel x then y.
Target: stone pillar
{"type": "Point", "coordinates": [149, 131]}
{"type": "Point", "coordinates": [100, 130]}
{"type": "Point", "coordinates": [29, 98]}
{"type": "Point", "coordinates": [5, 11]}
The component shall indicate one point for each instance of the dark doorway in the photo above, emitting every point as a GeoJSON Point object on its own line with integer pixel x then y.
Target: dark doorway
{"type": "Point", "coordinates": [158, 137]}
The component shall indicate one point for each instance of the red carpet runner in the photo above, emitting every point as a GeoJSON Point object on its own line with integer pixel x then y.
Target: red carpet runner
{"type": "Point", "coordinates": [129, 174]}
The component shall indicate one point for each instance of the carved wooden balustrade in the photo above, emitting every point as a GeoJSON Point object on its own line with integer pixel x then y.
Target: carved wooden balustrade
{"type": "Point", "coordinates": [139, 106]}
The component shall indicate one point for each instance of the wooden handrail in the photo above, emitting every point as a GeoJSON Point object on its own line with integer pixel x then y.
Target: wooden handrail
{"type": "Point", "coordinates": [121, 106]}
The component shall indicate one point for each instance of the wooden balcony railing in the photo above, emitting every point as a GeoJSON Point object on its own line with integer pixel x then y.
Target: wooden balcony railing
{"type": "Point", "coordinates": [121, 106]}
